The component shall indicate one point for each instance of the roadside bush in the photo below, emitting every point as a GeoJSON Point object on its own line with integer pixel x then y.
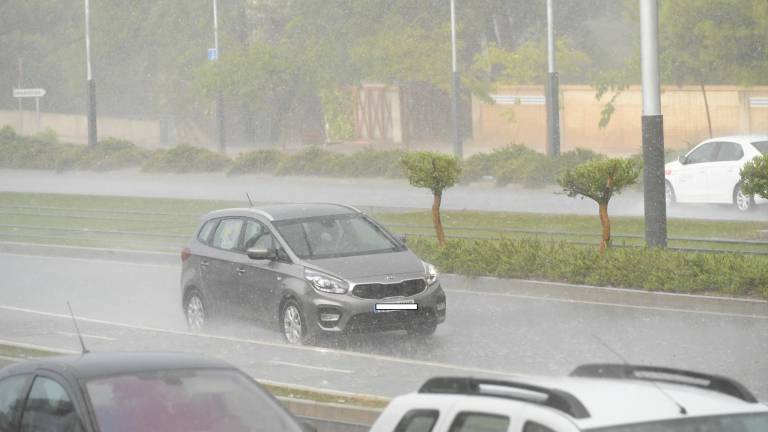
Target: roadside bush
{"type": "Point", "coordinates": [370, 162]}
{"type": "Point", "coordinates": [641, 268]}
{"type": "Point", "coordinates": [518, 164]}
{"type": "Point", "coordinates": [257, 162]}
{"type": "Point", "coordinates": [311, 161]}
{"type": "Point", "coordinates": [185, 158]}
{"type": "Point", "coordinates": [24, 152]}
{"type": "Point", "coordinates": [106, 155]}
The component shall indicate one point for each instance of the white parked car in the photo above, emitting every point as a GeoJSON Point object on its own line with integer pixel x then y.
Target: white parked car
{"type": "Point", "coordinates": [709, 173]}
{"type": "Point", "coordinates": [595, 398]}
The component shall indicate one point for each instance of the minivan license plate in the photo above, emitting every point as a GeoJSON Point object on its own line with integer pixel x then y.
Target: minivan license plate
{"type": "Point", "coordinates": [404, 305]}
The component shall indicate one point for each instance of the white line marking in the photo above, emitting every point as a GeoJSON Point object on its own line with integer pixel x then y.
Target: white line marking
{"type": "Point", "coordinates": [272, 344]}
{"type": "Point", "coordinates": [94, 261]}
{"type": "Point", "coordinates": [653, 308]}
{"type": "Point", "coordinates": [13, 359]}
{"type": "Point", "coordinates": [38, 347]}
{"type": "Point", "coordinates": [396, 306]}
{"type": "Point", "coordinates": [283, 363]}
{"type": "Point", "coordinates": [86, 336]}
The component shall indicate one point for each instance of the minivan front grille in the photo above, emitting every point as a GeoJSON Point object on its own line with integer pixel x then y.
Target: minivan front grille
{"type": "Point", "coordinates": [377, 291]}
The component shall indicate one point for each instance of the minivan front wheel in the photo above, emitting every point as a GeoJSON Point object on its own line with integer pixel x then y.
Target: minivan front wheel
{"type": "Point", "coordinates": [743, 201]}
{"type": "Point", "coordinates": [293, 324]}
{"type": "Point", "coordinates": [195, 311]}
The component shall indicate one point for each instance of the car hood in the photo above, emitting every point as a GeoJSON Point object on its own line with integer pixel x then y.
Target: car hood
{"type": "Point", "coordinates": [364, 267]}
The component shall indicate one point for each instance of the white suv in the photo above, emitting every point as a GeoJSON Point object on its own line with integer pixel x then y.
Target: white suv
{"type": "Point", "coordinates": [709, 173]}
{"type": "Point", "coordinates": [596, 397]}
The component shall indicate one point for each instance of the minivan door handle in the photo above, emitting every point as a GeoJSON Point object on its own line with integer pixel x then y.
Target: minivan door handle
{"type": "Point", "coordinates": [240, 271]}
{"type": "Point", "coordinates": [204, 263]}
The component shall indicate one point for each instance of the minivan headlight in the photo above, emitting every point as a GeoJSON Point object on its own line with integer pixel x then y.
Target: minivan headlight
{"type": "Point", "coordinates": [325, 282]}
{"type": "Point", "coordinates": [430, 273]}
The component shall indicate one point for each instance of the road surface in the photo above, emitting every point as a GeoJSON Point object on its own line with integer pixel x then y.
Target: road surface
{"type": "Point", "coordinates": [360, 192]}
{"type": "Point", "coordinates": [130, 306]}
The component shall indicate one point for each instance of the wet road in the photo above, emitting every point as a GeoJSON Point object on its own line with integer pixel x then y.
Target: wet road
{"type": "Point", "coordinates": [128, 306]}
{"type": "Point", "coordinates": [359, 192]}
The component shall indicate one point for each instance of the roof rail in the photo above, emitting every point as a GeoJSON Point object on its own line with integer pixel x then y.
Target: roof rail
{"type": "Point", "coordinates": [557, 399]}
{"type": "Point", "coordinates": [716, 383]}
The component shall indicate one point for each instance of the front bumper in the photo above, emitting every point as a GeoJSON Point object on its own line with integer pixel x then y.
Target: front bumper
{"type": "Point", "coordinates": [358, 315]}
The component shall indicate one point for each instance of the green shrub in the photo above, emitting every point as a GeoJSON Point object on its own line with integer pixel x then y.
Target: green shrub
{"type": "Point", "coordinates": [106, 155]}
{"type": "Point", "coordinates": [311, 161]}
{"type": "Point", "coordinates": [518, 164]}
{"type": "Point", "coordinates": [642, 268]}
{"type": "Point", "coordinates": [7, 135]}
{"type": "Point", "coordinates": [370, 162]}
{"type": "Point", "coordinates": [257, 162]}
{"type": "Point", "coordinates": [185, 158]}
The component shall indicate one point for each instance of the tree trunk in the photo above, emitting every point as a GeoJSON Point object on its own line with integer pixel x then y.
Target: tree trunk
{"type": "Point", "coordinates": [706, 107]}
{"type": "Point", "coordinates": [436, 219]}
{"type": "Point", "coordinates": [606, 223]}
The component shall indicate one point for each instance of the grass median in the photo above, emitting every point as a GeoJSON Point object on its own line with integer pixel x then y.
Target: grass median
{"type": "Point", "coordinates": [537, 246]}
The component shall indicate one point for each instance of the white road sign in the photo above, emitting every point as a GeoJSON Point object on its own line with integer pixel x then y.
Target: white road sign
{"type": "Point", "coordinates": [28, 93]}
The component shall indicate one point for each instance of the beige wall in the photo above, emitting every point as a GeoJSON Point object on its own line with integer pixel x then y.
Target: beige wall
{"type": "Point", "coordinates": [685, 120]}
{"type": "Point", "coordinates": [74, 128]}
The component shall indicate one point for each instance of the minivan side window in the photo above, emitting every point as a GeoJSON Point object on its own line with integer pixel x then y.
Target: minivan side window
{"type": "Point", "coordinates": [703, 153]}
{"type": "Point", "coordinates": [227, 235]}
{"type": "Point", "coordinates": [419, 420]}
{"type": "Point", "coordinates": [205, 232]}
{"type": "Point", "coordinates": [479, 422]}
{"type": "Point", "coordinates": [11, 399]}
{"type": "Point", "coordinates": [49, 407]}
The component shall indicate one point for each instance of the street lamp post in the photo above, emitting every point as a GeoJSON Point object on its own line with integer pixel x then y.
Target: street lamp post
{"type": "Point", "coordinates": [653, 128]}
{"type": "Point", "coordinates": [221, 133]}
{"type": "Point", "coordinates": [92, 133]}
{"type": "Point", "coordinates": [455, 110]}
{"type": "Point", "coordinates": [553, 103]}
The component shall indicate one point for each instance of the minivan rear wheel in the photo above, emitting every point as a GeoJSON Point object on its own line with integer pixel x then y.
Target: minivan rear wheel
{"type": "Point", "coordinates": [293, 324]}
{"type": "Point", "coordinates": [195, 310]}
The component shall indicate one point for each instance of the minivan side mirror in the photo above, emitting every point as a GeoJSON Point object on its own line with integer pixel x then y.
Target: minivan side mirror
{"type": "Point", "coordinates": [683, 159]}
{"type": "Point", "coordinates": [261, 254]}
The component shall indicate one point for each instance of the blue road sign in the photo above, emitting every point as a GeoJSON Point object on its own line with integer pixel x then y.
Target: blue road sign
{"type": "Point", "coordinates": [213, 54]}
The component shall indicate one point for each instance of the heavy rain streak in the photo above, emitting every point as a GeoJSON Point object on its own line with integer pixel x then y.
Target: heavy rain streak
{"type": "Point", "coordinates": [344, 198]}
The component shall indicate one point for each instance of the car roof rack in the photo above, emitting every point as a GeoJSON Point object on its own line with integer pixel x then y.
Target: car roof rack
{"type": "Point", "coordinates": [557, 399]}
{"type": "Point", "coordinates": [716, 383]}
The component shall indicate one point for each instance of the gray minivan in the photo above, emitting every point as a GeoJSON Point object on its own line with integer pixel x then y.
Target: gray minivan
{"type": "Point", "coordinates": [311, 268]}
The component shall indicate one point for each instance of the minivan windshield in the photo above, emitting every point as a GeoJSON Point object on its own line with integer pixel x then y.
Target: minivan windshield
{"type": "Point", "coordinates": [335, 236]}
{"type": "Point", "coordinates": [727, 423]}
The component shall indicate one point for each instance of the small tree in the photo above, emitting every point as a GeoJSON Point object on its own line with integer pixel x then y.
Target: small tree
{"type": "Point", "coordinates": [435, 172]}
{"type": "Point", "coordinates": [754, 177]}
{"type": "Point", "coordinates": [599, 179]}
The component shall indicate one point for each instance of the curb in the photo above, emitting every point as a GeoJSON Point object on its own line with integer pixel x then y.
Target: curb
{"type": "Point", "coordinates": [332, 417]}
{"type": "Point", "coordinates": [748, 308]}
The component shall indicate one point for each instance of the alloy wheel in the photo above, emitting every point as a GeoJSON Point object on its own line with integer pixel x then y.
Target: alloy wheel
{"type": "Point", "coordinates": [743, 201]}
{"type": "Point", "coordinates": [293, 329]}
{"type": "Point", "coordinates": [195, 313]}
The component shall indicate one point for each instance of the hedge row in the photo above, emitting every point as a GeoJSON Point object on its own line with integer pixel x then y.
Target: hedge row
{"type": "Point", "coordinates": [43, 151]}
{"type": "Point", "coordinates": [642, 268]}
{"type": "Point", "coordinates": [513, 164]}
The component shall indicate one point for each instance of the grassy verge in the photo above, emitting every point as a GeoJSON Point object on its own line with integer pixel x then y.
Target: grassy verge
{"type": "Point", "coordinates": [160, 224]}
{"type": "Point", "coordinates": [23, 353]}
